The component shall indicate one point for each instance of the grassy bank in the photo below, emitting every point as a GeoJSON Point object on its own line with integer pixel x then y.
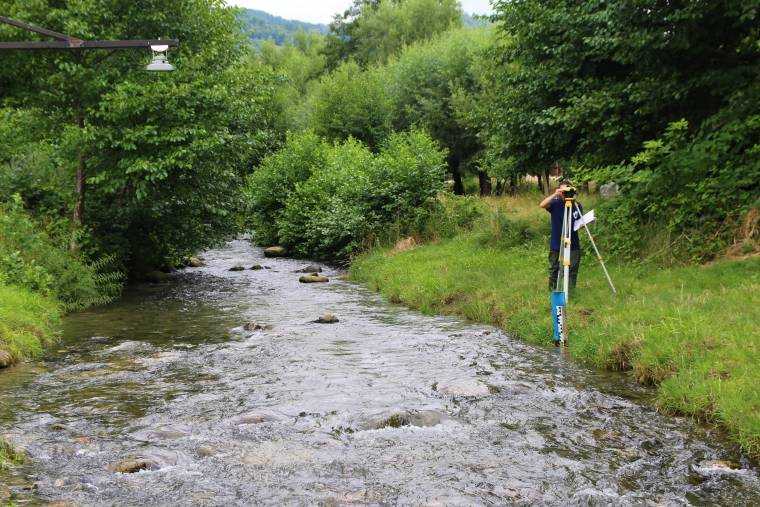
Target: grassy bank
{"type": "Point", "coordinates": [692, 331]}
{"type": "Point", "coordinates": [27, 321]}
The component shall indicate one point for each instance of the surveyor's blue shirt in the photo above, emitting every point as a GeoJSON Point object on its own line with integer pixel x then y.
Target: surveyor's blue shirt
{"type": "Point", "coordinates": [557, 210]}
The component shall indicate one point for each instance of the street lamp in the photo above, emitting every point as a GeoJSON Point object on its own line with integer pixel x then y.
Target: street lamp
{"type": "Point", "coordinates": [159, 62]}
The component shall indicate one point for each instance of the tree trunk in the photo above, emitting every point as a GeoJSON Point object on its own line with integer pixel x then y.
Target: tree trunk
{"type": "Point", "coordinates": [541, 184]}
{"type": "Point", "coordinates": [513, 184]}
{"type": "Point", "coordinates": [456, 175]}
{"type": "Point", "coordinates": [548, 184]}
{"type": "Point", "coordinates": [79, 186]}
{"type": "Point", "coordinates": [484, 182]}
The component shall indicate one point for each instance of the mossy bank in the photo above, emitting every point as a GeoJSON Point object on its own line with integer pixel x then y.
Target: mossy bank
{"type": "Point", "coordinates": [689, 330]}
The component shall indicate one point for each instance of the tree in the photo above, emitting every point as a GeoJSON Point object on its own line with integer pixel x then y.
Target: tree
{"type": "Point", "coordinates": [435, 87]}
{"type": "Point", "coordinates": [138, 139]}
{"type": "Point", "coordinates": [591, 81]}
{"type": "Point", "coordinates": [351, 102]}
{"type": "Point", "coordinates": [371, 31]}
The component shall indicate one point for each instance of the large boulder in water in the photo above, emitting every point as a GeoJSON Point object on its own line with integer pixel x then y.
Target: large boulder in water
{"type": "Point", "coordinates": [275, 251]}
{"type": "Point", "coordinates": [327, 318]}
{"type": "Point", "coordinates": [313, 278]}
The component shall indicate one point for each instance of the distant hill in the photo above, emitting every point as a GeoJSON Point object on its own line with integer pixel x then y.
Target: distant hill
{"type": "Point", "coordinates": [262, 26]}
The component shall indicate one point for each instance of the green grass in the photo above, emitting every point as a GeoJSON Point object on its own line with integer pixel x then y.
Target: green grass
{"type": "Point", "coordinates": [27, 321]}
{"type": "Point", "coordinates": [8, 455]}
{"type": "Point", "coordinates": [691, 331]}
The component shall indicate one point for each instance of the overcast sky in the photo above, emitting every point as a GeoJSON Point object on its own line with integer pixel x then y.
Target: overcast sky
{"type": "Point", "coordinates": [322, 11]}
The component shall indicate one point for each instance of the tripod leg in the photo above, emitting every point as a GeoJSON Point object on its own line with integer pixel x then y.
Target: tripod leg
{"type": "Point", "coordinates": [598, 255]}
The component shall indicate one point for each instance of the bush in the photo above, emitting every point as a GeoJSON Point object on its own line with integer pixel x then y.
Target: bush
{"type": "Point", "coordinates": [685, 196]}
{"type": "Point", "coordinates": [31, 259]}
{"type": "Point", "coordinates": [269, 187]}
{"type": "Point", "coordinates": [345, 196]}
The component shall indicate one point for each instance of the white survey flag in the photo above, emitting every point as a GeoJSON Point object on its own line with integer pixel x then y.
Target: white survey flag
{"type": "Point", "coordinates": [584, 220]}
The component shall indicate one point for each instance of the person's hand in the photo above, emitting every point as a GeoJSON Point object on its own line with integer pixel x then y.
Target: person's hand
{"type": "Point", "coordinates": [558, 192]}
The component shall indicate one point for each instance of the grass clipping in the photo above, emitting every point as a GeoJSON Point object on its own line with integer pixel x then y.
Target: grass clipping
{"type": "Point", "coordinates": [691, 331]}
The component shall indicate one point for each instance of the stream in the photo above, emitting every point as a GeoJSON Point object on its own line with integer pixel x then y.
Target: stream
{"type": "Point", "coordinates": [387, 406]}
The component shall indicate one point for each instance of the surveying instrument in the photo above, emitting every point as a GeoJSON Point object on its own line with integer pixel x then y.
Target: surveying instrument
{"type": "Point", "coordinates": [561, 294]}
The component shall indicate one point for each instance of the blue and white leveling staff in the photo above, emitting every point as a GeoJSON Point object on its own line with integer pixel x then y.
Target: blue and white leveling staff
{"type": "Point", "coordinates": [560, 298]}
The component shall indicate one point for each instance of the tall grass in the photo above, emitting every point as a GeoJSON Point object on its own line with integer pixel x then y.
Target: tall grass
{"type": "Point", "coordinates": [690, 330]}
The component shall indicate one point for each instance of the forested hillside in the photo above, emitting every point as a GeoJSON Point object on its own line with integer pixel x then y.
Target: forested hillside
{"type": "Point", "coordinates": [260, 26]}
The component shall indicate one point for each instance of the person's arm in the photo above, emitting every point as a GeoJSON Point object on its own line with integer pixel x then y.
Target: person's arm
{"type": "Point", "coordinates": [547, 202]}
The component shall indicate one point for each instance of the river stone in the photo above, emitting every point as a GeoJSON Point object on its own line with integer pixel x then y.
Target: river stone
{"type": "Point", "coordinates": [311, 268]}
{"type": "Point", "coordinates": [465, 388]}
{"type": "Point", "coordinates": [206, 451]}
{"type": "Point", "coordinates": [718, 466]}
{"type": "Point", "coordinates": [275, 251]}
{"type": "Point", "coordinates": [609, 190]}
{"type": "Point", "coordinates": [313, 278]}
{"type": "Point", "coordinates": [257, 267]}
{"type": "Point", "coordinates": [237, 268]}
{"type": "Point", "coordinates": [132, 465]}
{"type": "Point", "coordinates": [255, 326]}
{"type": "Point", "coordinates": [253, 418]}
{"type": "Point", "coordinates": [195, 262]}
{"type": "Point", "coordinates": [6, 359]}
{"type": "Point", "coordinates": [398, 419]}
{"type": "Point", "coordinates": [327, 318]}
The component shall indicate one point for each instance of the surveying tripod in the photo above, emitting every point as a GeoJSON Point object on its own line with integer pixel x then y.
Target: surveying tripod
{"type": "Point", "coordinates": [561, 295]}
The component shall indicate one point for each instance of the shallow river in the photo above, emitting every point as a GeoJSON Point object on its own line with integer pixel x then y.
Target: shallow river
{"type": "Point", "coordinates": [385, 407]}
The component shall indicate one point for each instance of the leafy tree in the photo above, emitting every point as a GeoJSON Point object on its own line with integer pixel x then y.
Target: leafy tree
{"type": "Point", "coordinates": [371, 31]}
{"type": "Point", "coordinates": [161, 146]}
{"type": "Point", "coordinates": [591, 81]}
{"type": "Point", "coordinates": [436, 88]}
{"type": "Point", "coordinates": [351, 102]}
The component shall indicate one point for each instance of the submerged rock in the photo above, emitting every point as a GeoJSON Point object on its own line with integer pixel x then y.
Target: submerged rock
{"type": "Point", "coordinates": [237, 267]}
{"type": "Point", "coordinates": [327, 318]}
{"type": "Point", "coordinates": [417, 418]}
{"type": "Point", "coordinates": [464, 388]}
{"type": "Point", "coordinates": [253, 418]}
{"type": "Point", "coordinates": [257, 267]}
{"type": "Point", "coordinates": [275, 251]}
{"type": "Point", "coordinates": [132, 465]}
{"type": "Point", "coordinates": [311, 268]}
{"type": "Point", "coordinates": [256, 326]}
{"type": "Point", "coordinates": [313, 278]}
{"type": "Point", "coordinates": [6, 359]}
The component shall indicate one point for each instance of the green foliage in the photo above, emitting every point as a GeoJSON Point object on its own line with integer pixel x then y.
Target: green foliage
{"type": "Point", "coordinates": [372, 31]}
{"type": "Point", "coordinates": [31, 259]}
{"type": "Point", "coordinates": [691, 191]}
{"type": "Point", "coordinates": [593, 80]}
{"type": "Point", "coordinates": [351, 102]}
{"type": "Point", "coordinates": [271, 185]}
{"type": "Point", "coordinates": [327, 201]}
{"type": "Point", "coordinates": [157, 156]}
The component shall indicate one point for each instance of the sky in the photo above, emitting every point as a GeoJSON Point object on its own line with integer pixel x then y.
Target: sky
{"type": "Point", "coordinates": [322, 11]}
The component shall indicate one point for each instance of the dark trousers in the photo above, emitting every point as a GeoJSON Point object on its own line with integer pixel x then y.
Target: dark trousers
{"type": "Point", "coordinates": [555, 265]}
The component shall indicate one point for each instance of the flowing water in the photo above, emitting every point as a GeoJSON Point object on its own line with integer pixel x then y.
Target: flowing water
{"type": "Point", "coordinates": [384, 407]}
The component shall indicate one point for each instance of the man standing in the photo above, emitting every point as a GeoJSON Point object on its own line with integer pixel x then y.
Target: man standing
{"type": "Point", "coordinates": [555, 204]}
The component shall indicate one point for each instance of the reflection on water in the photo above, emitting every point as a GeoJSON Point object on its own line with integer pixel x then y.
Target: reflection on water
{"type": "Point", "coordinates": [386, 406]}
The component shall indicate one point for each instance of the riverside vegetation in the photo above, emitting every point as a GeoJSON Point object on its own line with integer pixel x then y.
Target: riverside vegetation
{"type": "Point", "coordinates": [334, 145]}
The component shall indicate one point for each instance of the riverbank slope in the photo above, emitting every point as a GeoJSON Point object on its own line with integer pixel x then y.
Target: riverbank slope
{"type": "Point", "coordinates": [691, 331]}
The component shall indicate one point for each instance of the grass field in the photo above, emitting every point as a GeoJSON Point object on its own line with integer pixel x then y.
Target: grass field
{"type": "Point", "coordinates": [692, 331]}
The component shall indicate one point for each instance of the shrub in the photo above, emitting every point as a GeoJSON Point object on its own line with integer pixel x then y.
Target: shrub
{"type": "Point", "coordinates": [32, 259]}
{"type": "Point", "coordinates": [346, 196]}
{"type": "Point", "coordinates": [270, 186]}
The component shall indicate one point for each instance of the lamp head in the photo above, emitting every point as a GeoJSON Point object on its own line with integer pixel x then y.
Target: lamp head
{"type": "Point", "coordinates": [159, 63]}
